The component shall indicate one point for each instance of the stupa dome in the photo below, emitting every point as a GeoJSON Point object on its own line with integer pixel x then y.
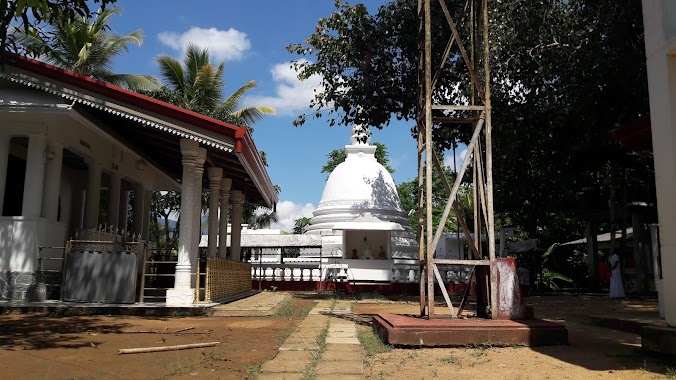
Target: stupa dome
{"type": "Point", "coordinates": [361, 182]}
{"type": "Point", "coordinates": [358, 186]}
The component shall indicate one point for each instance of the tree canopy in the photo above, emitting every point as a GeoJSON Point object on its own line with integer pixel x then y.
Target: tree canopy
{"type": "Point", "coordinates": [564, 73]}
{"type": "Point", "coordinates": [338, 156]}
{"type": "Point", "coordinates": [30, 16]}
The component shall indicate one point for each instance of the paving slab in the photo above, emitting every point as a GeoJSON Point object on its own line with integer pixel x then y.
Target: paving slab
{"type": "Point", "coordinates": [344, 348]}
{"type": "Point", "coordinates": [285, 366]}
{"type": "Point", "coordinates": [259, 305]}
{"type": "Point", "coordinates": [335, 356]}
{"type": "Point", "coordinates": [347, 341]}
{"type": "Point", "coordinates": [301, 334]}
{"type": "Point", "coordinates": [342, 359]}
{"type": "Point", "coordinates": [294, 340]}
{"type": "Point", "coordinates": [343, 367]}
{"type": "Point", "coordinates": [299, 347]}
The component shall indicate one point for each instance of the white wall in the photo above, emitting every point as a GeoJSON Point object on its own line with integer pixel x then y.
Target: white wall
{"type": "Point", "coordinates": [20, 238]}
{"type": "Point", "coordinates": [659, 19]}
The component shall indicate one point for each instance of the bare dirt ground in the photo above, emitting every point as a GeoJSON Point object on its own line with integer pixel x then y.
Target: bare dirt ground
{"type": "Point", "coordinates": [593, 353]}
{"type": "Point", "coordinates": [85, 347]}
{"type": "Point", "coordinates": [34, 346]}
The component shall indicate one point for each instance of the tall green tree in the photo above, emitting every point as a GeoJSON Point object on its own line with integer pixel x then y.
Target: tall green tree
{"type": "Point", "coordinates": [408, 194]}
{"type": "Point", "coordinates": [197, 84]}
{"type": "Point", "coordinates": [87, 46]}
{"type": "Point", "coordinates": [338, 156]}
{"type": "Point", "coordinates": [564, 73]}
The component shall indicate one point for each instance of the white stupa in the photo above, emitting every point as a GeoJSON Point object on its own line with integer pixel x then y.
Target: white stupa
{"type": "Point", "coordinates": [361, 220]}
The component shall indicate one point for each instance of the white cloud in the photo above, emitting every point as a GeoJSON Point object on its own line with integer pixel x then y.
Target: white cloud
{"type": "Point", "coordinates": [291, 94]}
{"type": "Point", "coordinates": [223, 45]}
{"type": "Point", "coordinates": [288, 212]}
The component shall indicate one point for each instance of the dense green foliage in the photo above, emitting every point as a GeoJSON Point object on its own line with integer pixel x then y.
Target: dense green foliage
{"type": "Point", "coordinates": [565, 73]}
{"type": "Point", "coordinates": [338, 156]}
{"type": "Point", "coordinates": [408, 194]}
{"type": "Point", "coordinates": [30, 16]}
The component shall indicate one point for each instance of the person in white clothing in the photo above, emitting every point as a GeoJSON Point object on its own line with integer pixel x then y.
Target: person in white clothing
{"type": "Point", "coordinates": [616, 287]}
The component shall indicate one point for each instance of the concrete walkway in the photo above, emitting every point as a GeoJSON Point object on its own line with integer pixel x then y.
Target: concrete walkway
{"type": "Point", "coordinates": [258, 305]}
{"type": "Point", "coordinates": [323, 347]}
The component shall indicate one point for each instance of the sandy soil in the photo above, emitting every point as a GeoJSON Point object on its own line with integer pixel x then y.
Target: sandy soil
{"type": "Point", "coordinates": [593, 353]}
{"type": "Point", "coordinates": [85, 347]}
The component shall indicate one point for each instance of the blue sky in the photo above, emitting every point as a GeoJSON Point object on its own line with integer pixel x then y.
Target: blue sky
{"type": "Point", "coordinates": [251, 37]}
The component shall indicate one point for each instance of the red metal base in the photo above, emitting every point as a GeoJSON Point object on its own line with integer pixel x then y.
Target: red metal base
{"type": "Point", "coordinates": [421, 332]}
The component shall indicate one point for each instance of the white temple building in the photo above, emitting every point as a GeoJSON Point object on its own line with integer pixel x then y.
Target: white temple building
{"type": "Point", "coordinates": [75, 151]}
{"type": "Point", "coordinates": [363, 227]}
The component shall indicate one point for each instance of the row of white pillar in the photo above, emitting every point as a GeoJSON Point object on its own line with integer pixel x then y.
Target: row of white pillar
{"type": "Point", "coordinates": [42, 187]}
{"type": "Point", "coordinates": [220, 197]}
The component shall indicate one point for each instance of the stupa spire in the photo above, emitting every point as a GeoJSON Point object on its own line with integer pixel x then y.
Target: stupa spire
{"type": "Point", "coordinates": [361, 135]}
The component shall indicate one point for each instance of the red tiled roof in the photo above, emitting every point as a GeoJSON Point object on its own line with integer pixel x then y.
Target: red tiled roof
{"type": "Point", "coordinates": [244, 144]}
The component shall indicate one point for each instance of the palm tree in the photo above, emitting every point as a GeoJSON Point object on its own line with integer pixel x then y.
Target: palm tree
{"type": "Point", "coordinates": [88, 48]}
{"type": "Point", "coordinates": [199, 85]}
{"type": "Point", "coordinates": [264, 220]}
{"type": "Point", "coordinates": [301, 225]}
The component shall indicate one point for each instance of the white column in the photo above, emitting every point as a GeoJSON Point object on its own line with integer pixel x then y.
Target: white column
{"type": "Point", "coordinates": [4, 158]}
{"type": "Point", "coordinates": [236, 235]}
{"type": "Point", "coordinates": [199, 174]}
{"type": "Point", "coordinates": [93, 196]}
{"type": "Point", "coordinates": [52, 186]}
{"type": "Point", "coordinates": [114, 200]}
{"type": "Point", "coordinates": [137, 209]}
{"type": "Point", "coordinates": [148, 197]}
{"type": "Point", "coordinates": [215, 176]}
{"type": "Point", "coordinates": [35, 176]}
{"type": "Point", "coordinates": [226, 183]}
{"type": "Point", "coordinates": [124, 210]}
{"type": "Point", "coordinates": [661, 68]}
{"type": "Point", "coordinates": [183, 292]}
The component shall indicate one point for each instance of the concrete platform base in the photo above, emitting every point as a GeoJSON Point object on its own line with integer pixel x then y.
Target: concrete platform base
{"type": "Point", "coordinates": [661, 339]}
{"type": "Point", "coordinates": [412, 331]}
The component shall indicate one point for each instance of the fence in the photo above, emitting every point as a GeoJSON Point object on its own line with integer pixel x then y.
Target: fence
{"type": "Point", "coordinates": [225, 278]}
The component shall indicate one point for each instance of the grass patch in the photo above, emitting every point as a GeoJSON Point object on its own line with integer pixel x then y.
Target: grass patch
{"type": "Point", "coordinates": [209, 356]}
{"type": "Point", "coordinates": [309, 372]}
{"type": "Point", "coordinates": [670, 373]}
{"type": "Point", "coordinates": [452, 359]}
{"type": "Point", "coordinates": [479, 349]}
{"type": "Point", "coordinates": [372, 343]}
{"type": "Point", "coordinates": [286, 310]}
{"type": "Point", "coordinates": [252, 370]}
{"type": "Point", "coordinates": [180, 368]}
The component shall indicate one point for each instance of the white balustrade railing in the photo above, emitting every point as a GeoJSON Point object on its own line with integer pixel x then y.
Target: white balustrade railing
{"type": "Point", "coordinates": [284, 272]}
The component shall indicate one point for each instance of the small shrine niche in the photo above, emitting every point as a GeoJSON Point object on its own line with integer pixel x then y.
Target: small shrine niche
{"type": "Point", "coordinates": [367, 245]}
